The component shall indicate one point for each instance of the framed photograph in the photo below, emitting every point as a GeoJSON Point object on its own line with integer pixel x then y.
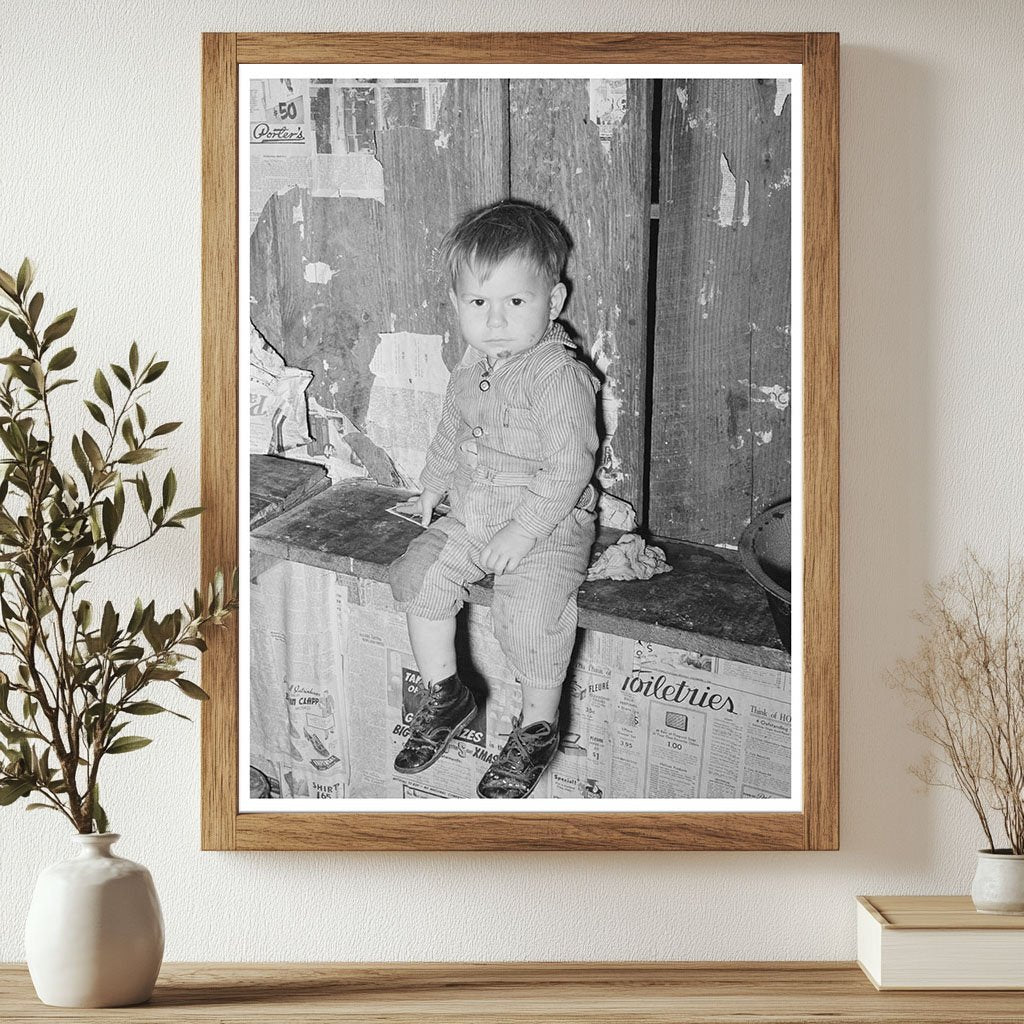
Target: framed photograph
{"type": "Point", "coordinates": [536, 501]}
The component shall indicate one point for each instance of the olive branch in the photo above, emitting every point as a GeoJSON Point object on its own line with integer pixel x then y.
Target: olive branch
{"type": "Point", "coordinates": [80, 675]}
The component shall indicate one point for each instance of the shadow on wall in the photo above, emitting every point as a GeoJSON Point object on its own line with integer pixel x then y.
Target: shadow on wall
{"type": "Point", "coordinates": [888, 273]}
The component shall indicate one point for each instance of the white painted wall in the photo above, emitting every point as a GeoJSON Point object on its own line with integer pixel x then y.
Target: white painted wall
{"type": "Point", "coordinates": [100, 183]}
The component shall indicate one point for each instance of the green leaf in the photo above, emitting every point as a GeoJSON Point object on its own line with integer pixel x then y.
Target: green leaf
{"type": "Point", "coordinates": [102, 388]}
{"type": "Point", "coordinates": [128, 433]}
{"type": "Point", "coordinates": [80, 458]}
{"type": "Point", "coordinates": [20, 329]}
{"type": "Point", "coordinates": [135, 622]}
{"type": "Point", "coordinates": [108, 627]}
{"type": "Point", "coordinates": [140, 415]}
{"type": "Point", "coordinates": [139, 455]}
{"type": "Point", "coordinates": [26, 274]}
{"type": "Point", "coordinates": [7, 283]}
{"type": "Point", "coordinates": [125, 744]}
{"type": "Point", "coordinates": [99, 816]}
{"type": "Point", "coordinates": [63, 359]}
{"type": "Point", "coordinates": [165, 428]}
{"type": "Point", "coordinates": [60, 326]}
{"type": "Point", "coordinates": [92, 449]}
{"type": "Point", "coordinates": [41, 807]}
{"type": "Point", "coordinates": [12, 733]}
{"type": "Point", "coordinates": [14, 790]}
{"type": "Point", "coordinates": [133, 358]}
{"type": "Point", "coordinates": [143, 707]}
{"type": "Point", "coordinates": [34, 308]}
{"type": "Point", "coordinates": [84, 614]}
{"type": "Point", "coordinates": [170, 488]}
{"type": "Point", "coordinates": [191, 690]}
{"type": "Point", "coordinates": [154, 371]}
{"type": "Point", "coordinates": [145, 498]}
{"type": "Point", "coordinates": [185, 513]}
{"type": "Point", "coordinates": [95, 412]}
{"type": "Point", "coordinates": [121, 374]}
{"type": "Point", "coordinates": [109, 521]}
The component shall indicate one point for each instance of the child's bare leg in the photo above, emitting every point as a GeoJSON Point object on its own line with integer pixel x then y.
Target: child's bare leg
{"type": "Point", "coordinates": [433, 646]}
{"type": "Point", "coordinates": [540, 704]}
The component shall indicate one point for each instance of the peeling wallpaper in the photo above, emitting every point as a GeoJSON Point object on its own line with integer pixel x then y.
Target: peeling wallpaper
{"type": "Point", "coordinates": [100, 169]}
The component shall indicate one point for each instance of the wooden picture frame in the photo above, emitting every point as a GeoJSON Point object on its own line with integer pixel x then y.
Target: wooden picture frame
{"type": "Point", "coordinates": [816, 826]}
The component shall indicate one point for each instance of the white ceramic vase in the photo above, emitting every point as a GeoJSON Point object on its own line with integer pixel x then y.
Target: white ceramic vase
{"type": "Point", "coordinates": [95, 933]}
{"type": "Point", "coordinates": [999, 882]}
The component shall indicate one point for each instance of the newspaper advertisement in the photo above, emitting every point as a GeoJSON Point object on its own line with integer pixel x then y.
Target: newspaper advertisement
{"type": "Point", "coordinates": [298, 738]}
{"type": "Point", "coordinates": [319, 135]}
{"type": "Point", "coordinates": [331, 708]}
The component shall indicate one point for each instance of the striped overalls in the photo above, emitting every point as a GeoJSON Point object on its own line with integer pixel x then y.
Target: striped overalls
{"type": "Point", "coordinates": [514, 443]}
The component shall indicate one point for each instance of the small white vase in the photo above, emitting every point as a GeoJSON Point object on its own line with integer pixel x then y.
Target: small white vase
{"type": "Point", "coordinates": [999, 882]}
{"type": "Point", "coordinates": [95, 933]}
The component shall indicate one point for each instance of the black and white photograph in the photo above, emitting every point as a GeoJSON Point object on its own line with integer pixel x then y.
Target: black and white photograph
{"type": "Point", "coordinates": [522, 463]}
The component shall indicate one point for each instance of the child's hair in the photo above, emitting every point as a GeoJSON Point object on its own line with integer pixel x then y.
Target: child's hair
{"type": "Point", "coordinates": [486, 237]}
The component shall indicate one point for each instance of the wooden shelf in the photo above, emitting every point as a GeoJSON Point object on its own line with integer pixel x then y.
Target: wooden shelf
{"type": "Point", "coordinates": [706, 604]}
{"type": "Point", "coordinates": [523, 993]}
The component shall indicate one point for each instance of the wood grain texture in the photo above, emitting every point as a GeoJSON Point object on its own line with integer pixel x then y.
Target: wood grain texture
{"type": "Point", "coordinates": [720, 438]}
{"type": "Point", "coordinates": [277, 485]}
{"type": "Point", "coordinates": [954, 913]}
{"type": "Point", "coordinates": [603, 199]}
{"type": "Point", "coordinates": [219, 430]}
{"type": "Point", "coordinates": [821, 441]}
{"type": "Point", "coordinates": [521, 47]}
{"type": "Point", "coordinates": [523, 993]}
{"type": "Point", "coordinates": [519, 831]}
{"type": "Point", "coordinates": [432, 178]}
{"type": "Point", "coordinates": [817, 827]}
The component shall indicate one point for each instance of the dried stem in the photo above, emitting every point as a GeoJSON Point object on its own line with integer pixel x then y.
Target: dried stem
{"type": "Point", "coordinates": [966, 682]}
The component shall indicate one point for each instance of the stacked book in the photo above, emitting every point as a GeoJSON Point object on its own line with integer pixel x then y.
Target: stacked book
{"type": "Point", "coordinates": [938, 942]}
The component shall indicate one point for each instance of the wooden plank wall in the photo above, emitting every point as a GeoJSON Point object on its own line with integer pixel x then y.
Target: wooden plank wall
{"type": "Point", "coordinates": [602, 195]}
{"type": "Point", "coordinates": [432, 178]}
{"type": "Point", "coordinates": [381, 256]}
{"type": "Point", "coordinates": [719, 364]}
{"type": "Point", "coordinates": [720, 412]}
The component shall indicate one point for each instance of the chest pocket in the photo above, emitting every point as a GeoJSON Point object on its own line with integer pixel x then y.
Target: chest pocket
{"type": "Point", "coordinates": [518, 432]}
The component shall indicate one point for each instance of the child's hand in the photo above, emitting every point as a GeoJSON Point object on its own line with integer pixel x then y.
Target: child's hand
{"type": "Point", "coordinates": [422, 506]}
{"type": "Point", "coordinates": [506, 549]}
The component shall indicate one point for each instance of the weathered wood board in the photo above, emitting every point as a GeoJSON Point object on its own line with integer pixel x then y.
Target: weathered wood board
{"type": "Point", "coordinates": [431, 179]}
{"type": "Point", "coordinates": [331, 274]}
{"type": "Point", "coordinates": [596, 178]}
{"type": "Point", "coordinates": [706, 603]}
{"type": "Point", "coordinates": [277, 485]}
{"type": "Point", "coordinates": [720, 438]}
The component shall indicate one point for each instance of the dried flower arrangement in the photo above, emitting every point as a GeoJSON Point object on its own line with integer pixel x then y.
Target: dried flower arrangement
{"type": "Point", "coordinates": [967, 682]}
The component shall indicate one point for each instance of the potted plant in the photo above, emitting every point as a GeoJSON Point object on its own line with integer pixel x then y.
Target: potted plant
{"type": "Point", "coordinates": [75, 671]}
{"type": "Point", "coordinates": [967, 682]}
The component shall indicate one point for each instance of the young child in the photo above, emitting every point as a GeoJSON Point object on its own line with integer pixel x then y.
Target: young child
{"type": "Point", "coordinates": [515, 453]}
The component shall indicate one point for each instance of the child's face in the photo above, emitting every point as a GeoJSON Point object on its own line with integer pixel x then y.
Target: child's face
{"type": "Point", "coordinates": [510, 311]}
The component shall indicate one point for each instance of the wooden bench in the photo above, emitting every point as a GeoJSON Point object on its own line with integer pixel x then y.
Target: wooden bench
{"type": "Point", "coordinates": [706, 604]}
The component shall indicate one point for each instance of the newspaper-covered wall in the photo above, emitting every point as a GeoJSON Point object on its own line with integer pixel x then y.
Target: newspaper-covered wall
{"type": "Point", "coordinates": [334, 684]}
